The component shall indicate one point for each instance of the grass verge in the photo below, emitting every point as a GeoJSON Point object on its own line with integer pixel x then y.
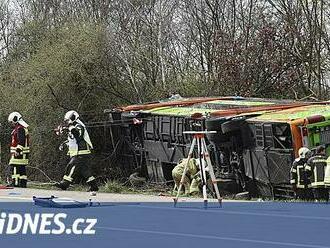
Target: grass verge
{"type": "Point", "coordinates": [112, 187]}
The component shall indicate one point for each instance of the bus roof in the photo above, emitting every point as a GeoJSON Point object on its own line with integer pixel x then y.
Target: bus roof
{"type": "Point", "coordinates": [180, 111]}
{"type": "Point", "coordinates": [291, 114]}
{"type": "Point", "coordinates": [218, 103]}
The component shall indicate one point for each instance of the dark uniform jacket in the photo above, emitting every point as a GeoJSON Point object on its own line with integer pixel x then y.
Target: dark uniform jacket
{"type": "Point", "coordinates": [299, 176]}
{"type": "Point", "coordinates": [315, 168]}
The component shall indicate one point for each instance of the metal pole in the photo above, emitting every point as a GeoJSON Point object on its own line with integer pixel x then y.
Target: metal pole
{"type": "Point", "coordinates": [185, 170]}
{"type": "Point", "coordinates": [202, 167]}
{"type": "Point", "coordinates": [211, 171]}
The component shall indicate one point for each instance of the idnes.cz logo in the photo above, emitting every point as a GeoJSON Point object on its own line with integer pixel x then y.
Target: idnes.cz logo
{"type": "Point", "coordinates": [44, 223]}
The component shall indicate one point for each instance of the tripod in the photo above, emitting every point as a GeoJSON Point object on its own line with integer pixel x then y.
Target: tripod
{"type": "Point", "coordinates": [204, 161]}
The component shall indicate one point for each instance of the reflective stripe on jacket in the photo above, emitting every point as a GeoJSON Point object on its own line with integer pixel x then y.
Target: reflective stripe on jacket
{"type": "Point", "coordinates": [316, 167]}
{"type": "Point", "coordinates": [298, 175]}
{"type": "Point", "coordinates": [327, 173]}
{"type": "Point", "coordinates": [76, 143]}
{"type": "Point", "coordinates": [19, 149]}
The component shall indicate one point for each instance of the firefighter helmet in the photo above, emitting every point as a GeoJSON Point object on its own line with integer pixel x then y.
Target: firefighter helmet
{"type": "Point", "coordinates": [304, 152]}
{"type": "Point", "coordinates": [71, 116]}
{"type": "Point", "coordinates": [14, 117]}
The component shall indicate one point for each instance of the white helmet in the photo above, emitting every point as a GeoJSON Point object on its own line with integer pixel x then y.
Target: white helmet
{"type": "Point", "coordinates": [16, 117]}
{"type": "Point", "coordinates": [71, 116]}
{"type": "Point", "coordinates": [304, 152]}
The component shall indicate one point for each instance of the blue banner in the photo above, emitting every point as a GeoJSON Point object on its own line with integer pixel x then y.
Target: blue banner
{"type": "Point", "coordinates": [250, 224]}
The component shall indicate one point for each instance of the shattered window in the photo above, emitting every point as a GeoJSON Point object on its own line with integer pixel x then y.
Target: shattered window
{"type": "Point", "coordinates": [282, 136]}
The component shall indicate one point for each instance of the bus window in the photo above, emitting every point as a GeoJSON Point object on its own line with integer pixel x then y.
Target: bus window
{"type": "Point", "coordinates": [282, 136]}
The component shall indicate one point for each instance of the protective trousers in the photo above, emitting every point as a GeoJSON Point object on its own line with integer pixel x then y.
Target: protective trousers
{"type": "Point", "coordinates": [18, 175]}
{"type": "Point", "coordinates": [304, 194]}
{"type": "Point", "coordinates": [78, 169]}
{"type": "Point", "coordinates": [177, 175]}
{"type": "Point", "coordinates": [194, 187]}
{"type": "Point", "coordinates": [321, 194]}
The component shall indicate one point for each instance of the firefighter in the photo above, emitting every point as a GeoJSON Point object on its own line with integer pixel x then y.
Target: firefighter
{"type": "Point", "coordinates": [19, 150]}
{"type": "Point", "coordinates": [192, 180]}
{"type": "Point", "coordinates": [300, 180]}
{"type": "Point", "coordinates": [315, 169]}
{"type": "Point", "coordinates": [79, 149]}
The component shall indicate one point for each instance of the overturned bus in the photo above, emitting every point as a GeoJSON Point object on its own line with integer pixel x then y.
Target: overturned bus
{"type": "Point", "coordinates": [251, 151]}
{"type": "Point", "coordinates": [276, 139]}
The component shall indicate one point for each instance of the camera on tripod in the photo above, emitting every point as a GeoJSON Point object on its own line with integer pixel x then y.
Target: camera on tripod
{"type": "Point", "coordinates": [196, 126]}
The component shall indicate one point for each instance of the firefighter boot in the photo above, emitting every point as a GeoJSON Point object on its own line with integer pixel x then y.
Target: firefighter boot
{"type": "Point", "coordinates": [22, 183]}
{"type": "Point", "coordinates": [93, 185]}
{"type": "Point", "coordinates": [62, 185]}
